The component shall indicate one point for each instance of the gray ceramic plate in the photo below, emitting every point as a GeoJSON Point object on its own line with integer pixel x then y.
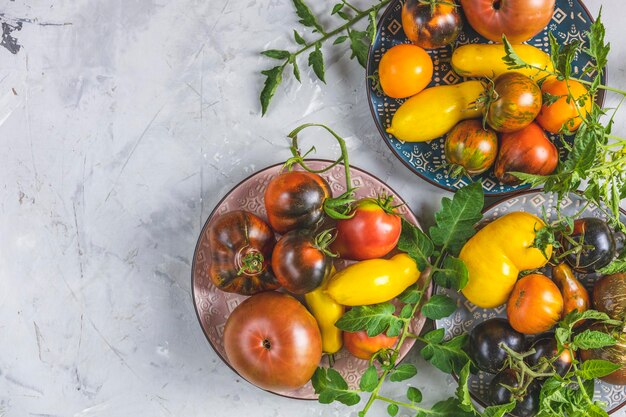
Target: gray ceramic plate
{"type": "Point", "coordinates": [468, 315]}
{"type": "Point", "coordinates": [213, 306]}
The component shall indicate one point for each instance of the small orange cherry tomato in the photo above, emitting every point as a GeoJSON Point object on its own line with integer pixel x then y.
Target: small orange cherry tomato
{"type": "Point", "coordinates": [562, 114]}
{"type": "Point", "coordinates": [405, 70]}
{"type": "Point", "coordinates": [363, 347]}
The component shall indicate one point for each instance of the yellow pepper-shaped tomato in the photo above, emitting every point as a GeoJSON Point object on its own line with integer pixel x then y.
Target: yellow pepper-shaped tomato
{"type": "Point", "coordinates": [434, 111]}
{"type": "Point", "coordinates": [326, 312]}
{"type": "Point", "coordinates": [482, 60]}
{"type": "Point", "coordinates": [497, 253]}
{"type": "Point", "coordinates": [373, 281]}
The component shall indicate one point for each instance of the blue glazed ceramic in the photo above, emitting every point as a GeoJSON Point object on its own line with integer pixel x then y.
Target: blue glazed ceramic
{"type": "Point", "coordinates": [570, 20]}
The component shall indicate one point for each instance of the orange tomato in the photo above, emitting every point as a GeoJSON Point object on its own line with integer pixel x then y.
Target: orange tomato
{"type": "Point", "coordinates": [535, 305]}
{"type": "Point", "coordinates": [363, 347]}
{"type": "Point", "coordinates": [405, 70]}
{"type": "Point", "coordinates": [562, 114]}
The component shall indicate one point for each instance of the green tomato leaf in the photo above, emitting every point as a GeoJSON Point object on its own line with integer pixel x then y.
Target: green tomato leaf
{"type": "Point", "coordinates": [274, 76]}
{"type": "Point", "coordinates": [618, 265]}
{"type": "Point", "coordinates": [359, 46]}
{"type": "Point", "coordinates": [498, 410]}
{"type": "Point", "coordinates": [298, 38]}
{"type": "Point", "coordinates": [448, 357]}
{"type": "Point", "coordinates": [316, 61]}
{"type": "Point", "coordinates": [593, 339]}
{"type": "Point", "coordinates": [371, 27]}
{"type": "Point", "coordinates": [402, 372]}
{"type": "Point", "coordinates": [457, 217]}
{"type": "Point", "coordinates": [462, 391]}
{"type": "Point", "coordinates": [597, 368]}
{"type": "Point", "coordinates": [511, 58]}
{"type": "Point", "coordinates": [412, 294]}
{"type": "Point", "coordinates": [406, 312]}
{"type": "Point", "coordinates": [593, 410]}
{"type": "Point", "coordinates": [330, 386]}
{"type": "Point", "coordinates": [276, 54]}
{"type": "Point", "coordinates": [416, 244]}
{"type": "Point", "coordinates": [438, 307]}
{"type": "Point", "coordinates": [448, 408]}
{"type": "Point", "coordinates": [369, 380]}
{"type": "Point", "coordinates": [296, 70]}
{"type": "Point", "coordinates": [307, 18]}
{"type": "Point", "coordinates": [337, 7]}
{"type": "Point", "coordinates": [392, 410]}
{"type": "Point", "coordinates": [414, 395]}
{"type": "Point", "coordinates": [340, 39]}
{"type": "Point", "coordinates": [375, 319]}
{"type": "Point", "coordinates": [453, 274]}
{"type": "Point", "coordinates": [344, 15]}
{"type": "Point", "coordinates": [598, 49]}
{"type": "Point", "coordinates": [435, 336]}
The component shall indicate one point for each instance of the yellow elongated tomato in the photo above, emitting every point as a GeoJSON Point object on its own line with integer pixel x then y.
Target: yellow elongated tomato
{"type": "Point", "coordinates": [483, 60]}
{"type": "Point", "coordinates": [405, 70]}
{"type": "Point", "coordinates": [497, 253]}
{"type": "Point", "coordinates": [373, 281]}
{"type": "Point", "coordinates": [326, 312]}
{"type": "Point", "coordinates": [434, 111]}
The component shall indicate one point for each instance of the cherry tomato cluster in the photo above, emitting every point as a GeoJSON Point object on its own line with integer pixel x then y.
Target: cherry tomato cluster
{"type": "Point", "coordinates": [295, 251]}
{"type": "Point", "coordinates": [511, 136]}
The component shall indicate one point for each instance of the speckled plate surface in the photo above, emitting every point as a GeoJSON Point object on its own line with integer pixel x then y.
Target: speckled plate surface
{"type": "Point", "coordinates": [213, 306]}
{"type": "Point", "coordinates": [468, 315]}
{"type": "Point", "coordinates": [570, 20]}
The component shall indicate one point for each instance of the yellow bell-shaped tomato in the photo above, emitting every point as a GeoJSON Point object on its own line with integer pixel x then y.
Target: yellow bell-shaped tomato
{"type": "Point", "coordinates": [483, 60]}
{"type": "Point", "coordinates": [373, 281]}
{"type": "Point", "coordinates": [497, 253]}
{"type": "Point", "coordinates": [434, 111]}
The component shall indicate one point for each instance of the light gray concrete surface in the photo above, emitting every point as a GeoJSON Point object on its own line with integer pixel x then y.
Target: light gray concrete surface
{"type": "Point", "coordinates": [122, 123]}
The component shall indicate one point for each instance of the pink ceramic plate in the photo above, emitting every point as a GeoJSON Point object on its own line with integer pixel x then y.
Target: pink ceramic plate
{"type": "Point", "coordinates": [213, 306]}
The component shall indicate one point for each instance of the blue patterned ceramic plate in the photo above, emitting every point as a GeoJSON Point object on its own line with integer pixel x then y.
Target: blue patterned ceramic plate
{"type": "Point", "coordinates": [468, 315]}
{"type": "Point", "coordinates": [570, 20]}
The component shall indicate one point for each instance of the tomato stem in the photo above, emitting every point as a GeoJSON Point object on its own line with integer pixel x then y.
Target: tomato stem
{"type": "Point", "coordinates": [251, 263]}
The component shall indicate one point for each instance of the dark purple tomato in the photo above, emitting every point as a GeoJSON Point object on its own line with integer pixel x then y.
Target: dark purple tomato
{"type": "Point", "coordinates": [596, 242]}
{"type": "Point", "coordinates": [295, 200]}
{"type": "Point", "coordinates": [527, 406]}
{"type": "Point", "coordinates": [484, 344]}
{"type": "Point", "coordinates": [471, 149]}
{"type": "Point", "coordinates": [430, 26]}
{"type": "Point", "coordinates": [546, 347]}
{"type": "Point", "coordinates": [299, 262]}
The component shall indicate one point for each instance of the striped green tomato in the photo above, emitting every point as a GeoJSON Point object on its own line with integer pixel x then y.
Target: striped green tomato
{"type": "Point", "coordinates": [470, 149]}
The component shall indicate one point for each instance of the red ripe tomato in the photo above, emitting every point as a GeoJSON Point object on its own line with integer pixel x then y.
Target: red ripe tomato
{"type": "Point", "coordinates": [535, 305]}
{"type": "Point", "coordinates": [371, 233]}
{"type": "Point", "coordinates": [295, 200]}
{"type": "Point", "coordinates": [301, 261]}
{"type": "Point", "coordinates": [430, 26]}
{"type": "Point", "coordinates": [527, 150]}
{"type": "Point", "coordinates": [470, 149]}
{"type": "Point", "coordinates": [405, 70]}
{"type": "Point", "coordinates": [360, 345]}
{"type": "Point", "coordinates": [519, 20]}
{"type": "Point", "coordinates": [562, 114]}
{"type": "Point", "coordinates": [517, 102]}
{"type": "Point", "coordinates": [273, 341]}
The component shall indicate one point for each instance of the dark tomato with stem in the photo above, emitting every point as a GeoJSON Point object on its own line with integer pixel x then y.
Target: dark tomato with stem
{"type": "Point", "coordinates": [241, 247]}
{"type": "Point", "coordinates": [591, 245]}
{"type": "Point", "coordinates": [546, 351]}
{"type": "Point", "coordinates": [484, 344]}
{"type": "Point", "coordinates": [527, 404]}
{"type": "Point", "coordinates": [514, 102]}
{"type": "Point", "coordinates": [470, 149]}
{"type": "Point", "coordinates": [295, 200]}
{"type": "Point", "coordinates": [372, 231]}
{"type": "Point", "coordinates": [430, 25]}
{"type": "Point", "coordinates": [528, 151]}
{"type": "Point", "coordinates": [301, 260]}
{"type": "Point", "coordinates": [519, 20]}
